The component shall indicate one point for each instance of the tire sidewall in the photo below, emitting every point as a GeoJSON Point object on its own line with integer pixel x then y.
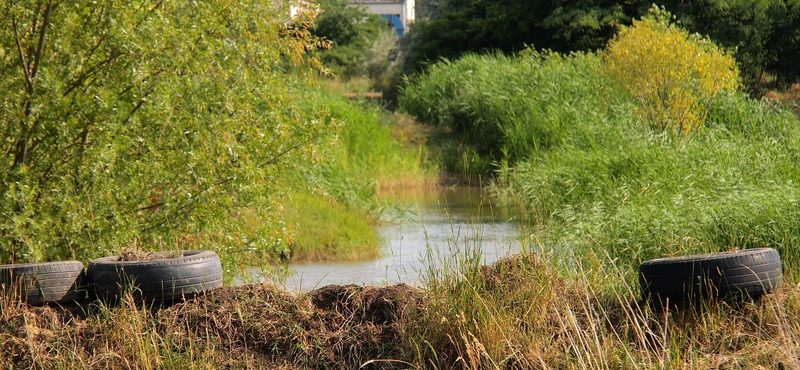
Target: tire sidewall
{"type": "Point", "coordinates": [163, 280]}
{"type": "Point", "coordinates": [749, 272]}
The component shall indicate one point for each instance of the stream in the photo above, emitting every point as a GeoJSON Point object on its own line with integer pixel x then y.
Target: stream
{"type": "Point", "coordinates": [443, 222]}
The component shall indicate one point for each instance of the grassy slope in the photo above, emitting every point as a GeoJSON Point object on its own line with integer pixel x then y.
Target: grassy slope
{"type": "Point", "coordinates": [730, 186]}
{"type": "Point", "coordinates": [332, 200]}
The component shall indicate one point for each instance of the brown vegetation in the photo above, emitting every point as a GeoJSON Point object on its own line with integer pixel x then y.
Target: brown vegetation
{"type": "Point", "coordinates": [250, 326]}
{"type": "Point", "coordinates": [137, 255]}
{"type": "Point", "coordinates": [517, 313]}
{"type": "Point", "coordinates": [790, 97]}
{"type": "Point", "coordinates": [520, 314]}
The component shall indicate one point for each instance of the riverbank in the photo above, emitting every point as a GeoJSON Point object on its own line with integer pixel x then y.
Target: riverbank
{"type": "Point", "coordinates": [331, 207]}
{"type": "Point", "coordinates": [517, 313]}
{"type": "Point", "coordinates": [427, 223]}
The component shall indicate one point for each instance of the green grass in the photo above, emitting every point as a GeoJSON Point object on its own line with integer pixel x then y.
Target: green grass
{"type": "Point", "coordinates": [730, 186]}
{"type": "Point", "coordinates": [601, 192]}
{"type": "Point", "coordinates": [333, 195]}
{"type": "Point", "coordinates": [572, 154]}
{"type": "Point", "coordinates": [326, 230]}
{"type": "Point", "coordinates": [517, 107]}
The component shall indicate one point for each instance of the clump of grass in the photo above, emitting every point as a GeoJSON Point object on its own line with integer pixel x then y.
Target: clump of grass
{"type": "Point", "coordinates": [526, 312]}
{"type": "Point", "coordinates": [729, 186]}
{"type": "Point", "coordinates": [94, 336]}
{"type": "Point", "coordinates": [326, 230]}
{"type": "Point", "coordinates": [516, 107]}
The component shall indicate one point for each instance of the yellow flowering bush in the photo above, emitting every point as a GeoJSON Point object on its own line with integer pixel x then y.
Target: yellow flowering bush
{"type": "Point", "coordinates": [673, 75]}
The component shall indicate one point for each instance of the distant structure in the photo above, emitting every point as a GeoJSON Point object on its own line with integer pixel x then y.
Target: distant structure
{"type": "Point", "coordinates": [399, 13]}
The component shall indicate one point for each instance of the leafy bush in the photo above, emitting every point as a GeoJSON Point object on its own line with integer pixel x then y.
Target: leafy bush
{"type": "Point", "coordinates": [159, 123]}
{"type": "Point", "coordinates": [763, 33]}
{"type": "Point", "coordinates": [674, 76]}
{"type": "Point", "coordinates": [363, 154]}
{"type": "Point", "coordinates": [325, 230]}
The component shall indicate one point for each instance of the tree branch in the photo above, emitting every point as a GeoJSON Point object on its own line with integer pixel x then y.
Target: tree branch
{"type": "Point", "coordinates": [78, 80]}
{"type": "Point", "coordinates": [21, 54]}
{"type": "Point", "coordinates": [137, 107]}
{"type": "Point", "coordinates": [40, 46]}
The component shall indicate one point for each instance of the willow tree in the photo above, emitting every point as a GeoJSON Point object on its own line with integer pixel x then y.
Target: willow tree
{"type": "Point", "coordinates": [159, 123]}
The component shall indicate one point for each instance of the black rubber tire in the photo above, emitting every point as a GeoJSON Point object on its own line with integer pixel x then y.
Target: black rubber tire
{"type": "Point", "coordinates": [161, 280]}
{"type": "Point", "coordinates": [46, 282]}
{"type": "Point", "coordinates": [745, 273]}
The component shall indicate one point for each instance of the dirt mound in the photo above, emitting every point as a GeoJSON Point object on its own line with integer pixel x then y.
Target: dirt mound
{"type": "Point", "coordinates": [519, 271]}
{"type": "Point", "coordinates": [379, 305]}
{"type": "Point", "coordinates": [335, 326]}
{"type": "Point", "coordinates": [250, 326]}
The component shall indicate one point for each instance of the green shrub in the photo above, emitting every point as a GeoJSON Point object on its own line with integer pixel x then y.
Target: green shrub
{"type": "Point", "coordinates": [363, 151]}
{"type": "Point", "coordinates": [160, 124]}
{"type": "Point", "coordinates": [323, 229]}
{"type": "Point", "coordinates": [674, 76]}
{"type": "Point", "coordinates": [332, 195]}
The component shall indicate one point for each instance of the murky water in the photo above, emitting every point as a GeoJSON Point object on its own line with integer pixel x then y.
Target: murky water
{"type": "Point", "coordinates": [443, 221]}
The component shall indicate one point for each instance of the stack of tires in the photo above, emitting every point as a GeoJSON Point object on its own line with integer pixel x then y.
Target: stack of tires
{"type": "Point", "coordinates": [678, 281]}
{"type": "Point", "coordinates": [163, 280]}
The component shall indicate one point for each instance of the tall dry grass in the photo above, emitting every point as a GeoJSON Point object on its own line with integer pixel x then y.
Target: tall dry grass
{"type": "Point", "coordinates": [527, 313]}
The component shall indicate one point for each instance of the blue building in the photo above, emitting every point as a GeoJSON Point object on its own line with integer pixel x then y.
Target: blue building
{"type": "Point", "coordinates": [399, 13]}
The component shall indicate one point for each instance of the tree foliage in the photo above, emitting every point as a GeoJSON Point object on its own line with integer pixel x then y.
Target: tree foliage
{"type": "Point", "coordinates": [673, 76]}
{"type": "Point", "coordinates": [764, 33]}
{"type": "Point", "coordinates": [352, 33]}
{"type": "Point", "coordinates": [455, 27]}
{"type": "Point", "coordinates": [154, 122]}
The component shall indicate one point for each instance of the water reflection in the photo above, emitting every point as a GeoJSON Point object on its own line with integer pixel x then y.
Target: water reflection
{"type": "Point", "coordinates": [444, 220]}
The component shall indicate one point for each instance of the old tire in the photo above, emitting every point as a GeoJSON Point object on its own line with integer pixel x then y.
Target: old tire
{"type": "Point", "coordinates": [745, 273]}
{"type": "Point", "coordinates": [160, 280]}
{"type": "Point", "coordinates": [41, 283]}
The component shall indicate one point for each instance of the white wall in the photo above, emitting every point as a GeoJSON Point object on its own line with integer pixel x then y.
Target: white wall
{"type": "Point", "coordinates": [403, 8]}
